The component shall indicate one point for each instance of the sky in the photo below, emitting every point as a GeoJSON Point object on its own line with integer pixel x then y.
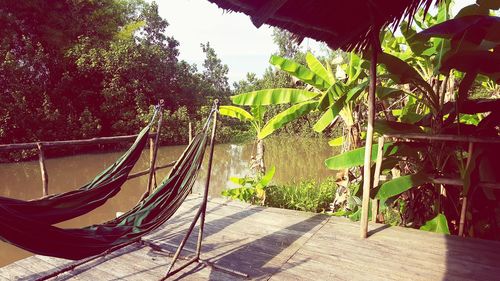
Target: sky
{"type": "Point", "coordinates": [237, 42]}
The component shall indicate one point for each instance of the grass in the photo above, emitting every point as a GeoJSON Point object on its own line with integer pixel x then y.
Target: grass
{"type": "Point", "coordinates": [306, 195]}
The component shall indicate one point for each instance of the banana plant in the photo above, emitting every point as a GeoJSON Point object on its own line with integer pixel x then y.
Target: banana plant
{"type": "Point", "coordinates": [302, 102]}
{"type": "Point", "coordinates": [415, 61]}
{"type": "Point", "coordinates": [340, 93]}
{"type": "Point", "coordinates": [423, 61]}
{"type": "Point", "coordinates": [250, 189]}
{"type": "Point", "coordinates": [342, 101]}
{"type": "Point", "coordinates": [475, 52]}
{"type": "Point", "coordinates": [326, 93]}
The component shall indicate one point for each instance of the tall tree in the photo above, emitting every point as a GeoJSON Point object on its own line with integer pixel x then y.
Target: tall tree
{"type": "Point", "coordinates": [215, 74]}
{"type": "Point", "coordinates": [91, 67]}
{"type": "Point", "coordinates": [286, 43]}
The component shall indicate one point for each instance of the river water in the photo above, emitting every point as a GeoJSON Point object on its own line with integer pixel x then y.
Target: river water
{"type": "Point", "coordinates": [294, 159]}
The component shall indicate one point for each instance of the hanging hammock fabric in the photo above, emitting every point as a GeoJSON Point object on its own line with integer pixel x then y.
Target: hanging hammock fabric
{"type": "Point", "coordinates": [64, 206]}
{"type": "Point", "coordinates": [149, 214]}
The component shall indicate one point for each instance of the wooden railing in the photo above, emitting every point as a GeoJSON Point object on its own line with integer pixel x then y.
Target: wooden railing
{"type": "Point", "coordinates": [59, 144]}
{"type": "Point", "coordinates": [471, 140]}
{"type": "Point", "coordinates": [44, 145]}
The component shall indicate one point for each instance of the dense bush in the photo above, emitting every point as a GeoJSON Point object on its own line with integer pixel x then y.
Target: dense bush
{"type": "Point", "coordinates": [307, 195]}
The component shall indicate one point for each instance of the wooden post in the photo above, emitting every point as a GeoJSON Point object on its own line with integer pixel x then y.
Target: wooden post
{"type": "Point", "coordinates": [463, 211]}
{"type": "Point", "coordinates": [153, 158]}
{"type": "Point", "coordinates": [152, 148]}
{"type": "Point", "coordinates": [376, 176]}
{"type": "Point", "coordinates": [369, 136]}
{"type": "Point", "coordinates": [190, 133]}
{"type": "Point", "coordinates": [43, 170]}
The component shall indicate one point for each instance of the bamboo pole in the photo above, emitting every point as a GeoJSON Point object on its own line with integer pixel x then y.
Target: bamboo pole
{"type": "Point", "coordinates": [55, 144]}
{"type": "Point", "coordinates": [155, 151]}
{"type": "Point", "coordinates": [444, 137]}
{"type": "Point", "coordinates": [369, 137]}
{"type": "Point", "coordinates": [190, 133]}
{"type": "Point", "coordinates": [460, 182]}
{"type": "Point", "coordinates": [463, 211]}
{"type": "Point", "coordinates": [145, 172]}
{"type": "Point", "coordinates": [376, 176]}
{"type": "Point", "coordinates": [43, 170]}
{"type": "Point", "coordinates": [152, 168]}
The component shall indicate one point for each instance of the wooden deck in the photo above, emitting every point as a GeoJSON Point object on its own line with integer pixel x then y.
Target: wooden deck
{"type": "Point", "coordinates": [276, 244]}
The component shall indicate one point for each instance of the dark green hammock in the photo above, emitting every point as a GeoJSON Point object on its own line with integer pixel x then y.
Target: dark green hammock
{"type": "Point", "coordinates": [153, 211]}
{"type": "Point", "coordinates": [64, 206]}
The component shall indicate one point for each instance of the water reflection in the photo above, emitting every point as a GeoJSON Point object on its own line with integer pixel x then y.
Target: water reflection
{"type": "Point", "coordinates": [294, 158]}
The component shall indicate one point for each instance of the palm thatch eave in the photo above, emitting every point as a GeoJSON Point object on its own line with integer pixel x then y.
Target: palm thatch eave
{"type": "Point", "coordinates": [344, 24]}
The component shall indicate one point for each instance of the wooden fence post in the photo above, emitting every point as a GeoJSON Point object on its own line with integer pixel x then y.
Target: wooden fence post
{"type": "Point", "coordinates": [376, 176]}
{"type": "Point", "coordinates": [43, 170]}
{"type": "Point", "coordinates": [463, 211]}
{"type": "Point", "coordinates": [190, 132]}
{"type": "Point", "coordinates": [153, 154]}
{"type": "Point", "coordinates": [152, 163]}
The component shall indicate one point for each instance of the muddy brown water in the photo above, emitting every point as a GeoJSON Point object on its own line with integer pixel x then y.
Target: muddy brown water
{"type": "Point", "coordinates": [294, 159]}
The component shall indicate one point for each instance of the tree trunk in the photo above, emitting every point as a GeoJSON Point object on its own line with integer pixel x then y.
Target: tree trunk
{"type": "Point", "coordinates": [258, 161]}
{"type": "Point", "coordinates": [352, 139]}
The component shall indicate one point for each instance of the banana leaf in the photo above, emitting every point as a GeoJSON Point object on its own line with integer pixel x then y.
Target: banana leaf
{"type": "Point", "coordinates": [439, 224]}
{"type": "Point", "coordinates": [235, 112]}
{"type": "Point", "coordinates": [399, 185]}
{"type": "Point", "coordinates": [336, 141]}
{"type": "Point", "coordinates": [388, 127]}
{"type": "Point", "coordinates": [299, 71]}
{"type": "Point", "coordinates": [315, 66]}
{"type": "Point", "coordinates": [288, 115]}
{"type": "Point", "coordinates": [355, 157]}
{"type": "Point", "coordinates": [273, 97]}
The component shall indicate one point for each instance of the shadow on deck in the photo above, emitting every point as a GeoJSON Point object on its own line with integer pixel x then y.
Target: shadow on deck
{"type": "Point", "coordinates": [275, 244]}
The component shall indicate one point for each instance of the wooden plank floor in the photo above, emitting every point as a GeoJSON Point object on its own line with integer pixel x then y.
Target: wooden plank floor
{"type": "Point", "coordinates": [276, 244]}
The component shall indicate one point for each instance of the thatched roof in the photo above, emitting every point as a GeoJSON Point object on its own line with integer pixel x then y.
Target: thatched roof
{"type": "Point", "coordinates": [345, 24]}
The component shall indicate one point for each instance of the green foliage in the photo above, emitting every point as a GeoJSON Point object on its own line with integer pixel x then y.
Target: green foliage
{"type": "Point", "coordinates": [330, 99]}
{"type": "Point", "coordinates": [423, 61]}
{"type": "Point", "coordinates": [286, 116]}
{"type": "Point", "coordinates": [215, 75]}
{"type": "Point", "coordinates": [235, 112]}
{"type": "Point", "coordinates": [401, 184]}
{"type": "Point", "coordinates": [251, 190]}
{"type": "Point", "coordinates": [79, 69]}
{"type": "Point", "coordinates": [439, 224]}
{"type": "Point", "coordinates": [336, 142]}
{"type": "Point", "coordinates": [307, 195]}
{"type": "Point", "coordinates": [301, 100]}
{"type": "Point", "coordinates": [273, 97]}
{"type": "Point", "coordinates": [355, 157]}
{"type": "Point", "coordinates": [127, 32]}
{"type": "Point", "coordinates": [287, 45]}
{"type": "Point", "coordinates": [301, 72]}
